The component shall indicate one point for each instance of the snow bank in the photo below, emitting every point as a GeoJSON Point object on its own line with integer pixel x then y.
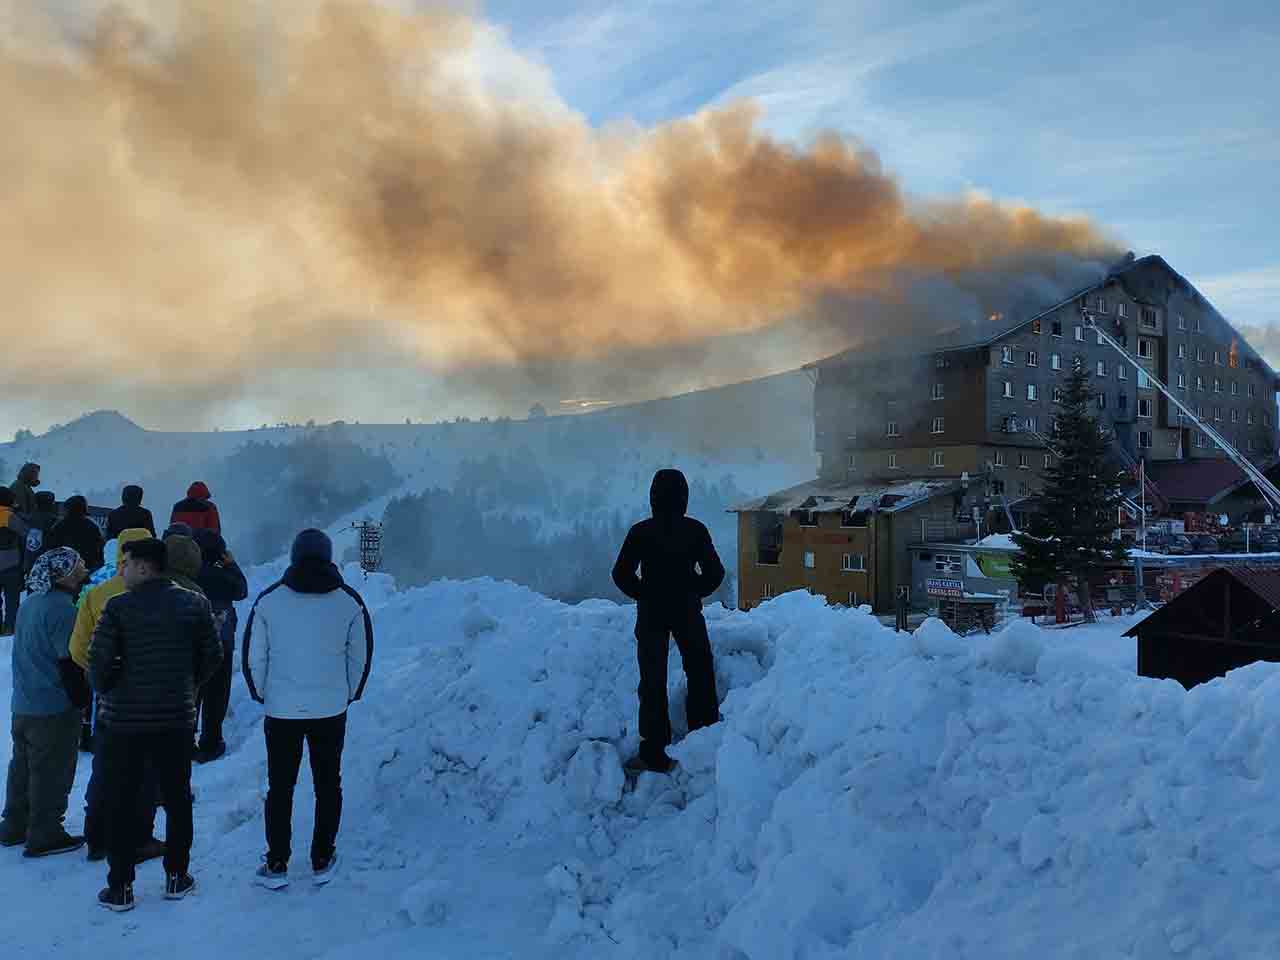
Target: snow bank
{"type": "Point", "coordinates": [869, 794]}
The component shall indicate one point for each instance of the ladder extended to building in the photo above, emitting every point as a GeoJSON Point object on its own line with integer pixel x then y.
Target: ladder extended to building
{"type": "Point", "coordinates": [1270, 493]}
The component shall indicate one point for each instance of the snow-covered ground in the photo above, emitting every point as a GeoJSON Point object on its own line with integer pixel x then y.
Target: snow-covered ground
{"type": "Point", "coordinates": [869, 794]}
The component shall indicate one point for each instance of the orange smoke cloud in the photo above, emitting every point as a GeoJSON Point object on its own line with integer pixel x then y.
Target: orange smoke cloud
{"type": "Point", "coordinates": [292, 185]}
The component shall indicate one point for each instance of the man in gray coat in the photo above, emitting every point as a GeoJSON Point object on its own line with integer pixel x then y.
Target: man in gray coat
{"type": "Point", "coordinates": [46, 723]}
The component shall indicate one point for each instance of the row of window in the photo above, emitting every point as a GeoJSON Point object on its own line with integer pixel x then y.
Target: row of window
{"type": "Point", "coordinates": [849, 562]}
{"type": "Point", "coordinates": [766, 593]}
{"type": "Point", "coordinates": [1233, 385]}
{"type": "Point", "coordinates": [1232, 413]}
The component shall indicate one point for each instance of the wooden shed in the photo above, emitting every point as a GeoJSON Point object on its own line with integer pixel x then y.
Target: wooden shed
{"type": "Point", "coordinates": [1229, 619]}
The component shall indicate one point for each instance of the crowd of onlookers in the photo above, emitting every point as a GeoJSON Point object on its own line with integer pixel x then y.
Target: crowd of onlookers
{"type": "Point", "coordinates": [123, 643]}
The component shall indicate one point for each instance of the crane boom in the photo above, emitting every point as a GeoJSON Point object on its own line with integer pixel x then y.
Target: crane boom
{"type": "Point", "coordinates": [1270, 493]}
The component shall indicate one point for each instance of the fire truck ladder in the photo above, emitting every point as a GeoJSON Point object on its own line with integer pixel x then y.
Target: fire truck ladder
{"type": "Point", "coordinates": [1270, 493]}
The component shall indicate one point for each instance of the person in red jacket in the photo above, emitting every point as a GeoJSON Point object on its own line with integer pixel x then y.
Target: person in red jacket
{"type": "Point", "coordinates": [197, 511]}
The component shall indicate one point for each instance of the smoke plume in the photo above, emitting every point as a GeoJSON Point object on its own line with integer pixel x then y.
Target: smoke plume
{"type": "Point", "coordinates": [209, 200]}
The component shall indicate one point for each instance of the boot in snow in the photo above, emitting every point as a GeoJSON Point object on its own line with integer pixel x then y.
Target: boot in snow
{"type": "Point", "coordinates": [178, 885]}
{"type": "Point", "coordinates": [65, 843]}
{"type": "Point", "coordinates": [322, 870]}
{"type": "Point", "coordinates": [117, 899]}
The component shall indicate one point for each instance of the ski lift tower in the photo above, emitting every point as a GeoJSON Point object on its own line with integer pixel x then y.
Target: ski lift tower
{"type": "Point", "coordinates": [370, 542]}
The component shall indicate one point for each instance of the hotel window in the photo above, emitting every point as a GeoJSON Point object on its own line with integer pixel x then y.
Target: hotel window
{"type": "Point", "coordinates": [1235, 389]}
{"type": "Point", "coordinates": [1144, 349]}
{"type": "Point", "coordinates": [1199, 383]}
{"type": "Point", "coordinates": [1199, 354]}
{"type": "Point", "coordinates": [1102, 368]}
{"type": "Point", "coordinates": [1057, 394]}
{"type": "Point", "coordinates": [1148, 318]}
{"type": "Point", "coordinates": [1024, 461]}
{"type": "Point", "coordinates": [1055, 328]}
{"type": "Point", "coordinates": [1182, 351]}
{"type": "Point", "coordinates": [940, 361]}
{"type": "Point", "coordinates": [1122, 310]}
{"type": "Point", "coordinates": [1182, 322]}
{"type": "Point", "coordinates": [1144, 382]}
{"type": "Point", "coordinates": [1235, 415]}
{"type": "Point", "coordinates": [1217, 358]}
{"type": "Point", "coordinates": [1080, 334]}
{"type": "Point", "coordinates": [939, 459]}
{"type": "Point", "coordinates": [1035, 326]}
{"type": "Point", "coordinates": [1077, 362]}
{"type": "Point", "coordinates": [1199, 439]}
{"type": "Point", "coordinates": [948, 562]}
{"type": "Point", "coordinates": [1217, 385]}
{"type": "Point", "coordinates": [1144, 439]}
{"type": "Point", "coordinates": [892, 430]}
{"type": "Point", "coordinates": [1055, 361]}
{"type": "Point", "coordinates": [938, 391]}
{"type": "Point", "coordinates": [1249, 418]}
{"type": "Point", "coordinates": [1031, 424]}
{"type": "Point", "coordinates": [1033, 359]}
{"type": "Point", "coordinates": [1101, 342]}
{"type": "Point", "coordinates": [1266, 419]}
{"type": "Point", "coordinates": [1199, 325]}
{"type": "Point", "coordinates": [1217, 413]}
{"type": "Point", "coordinates": [1033, 392]}
{"type": "Point", "coordinates": [939, 425]}
{"type": "Point", "coordinates": [806, 518]}
{"type": "Point", "coordinates": [853, 460]}
{"type": "Point", "coordinates": [893, 461]}
{"type": "Point", "coordinates": [810, 561]}
{"type": "Point", "coordinates": [1048, 460]}
{"type": "Point", "coordinates": [1102, 401]}
{"type": "Point", "coordinates": [1006, 354]}
{"type": "Point", "coordinates": [1251, 390]}
{"type": "Point", "coordinates": [1182, 380]}
{"type": "Point", "coordinates": [1100, 304]}
{"type": "Point", "coordinates": [999, 461]}
{"type": "Point", "coordinates": [1122, 372]}
{"type": "Point", "coordinates": [1008, 389]}
{"type": "Point", "coordinates": [1144, 407]}
{"type": "Point", "coordinates": [1024, 488]}
{"type": "Point", "coordinates": [853, 563]}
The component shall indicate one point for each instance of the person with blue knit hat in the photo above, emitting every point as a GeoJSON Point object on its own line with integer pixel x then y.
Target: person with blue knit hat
{"type": "Point", "coordinates": [308, 646]}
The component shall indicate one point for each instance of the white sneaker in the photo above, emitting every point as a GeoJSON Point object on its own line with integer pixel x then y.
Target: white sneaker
{"type": "Point", "coordinates": [272, 876]}
{"type": "Point", "coordinates": [322, 875]}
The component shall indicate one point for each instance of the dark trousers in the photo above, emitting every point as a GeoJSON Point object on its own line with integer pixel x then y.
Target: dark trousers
{"type": "Point", "coordinates": [126, 757]}
{"type": "Point", "coordinates": [213, 698]}
{"type": "Point", "coordinates": [652, 644]}
{"type": "Point", "coordinates": [324, 739]}
{"type": "Point", "coordinates": [97, 813]}
{"type": "Point", "coordinates": [41, 773]}
{"type": "Point", "coordinates": [11, 583]}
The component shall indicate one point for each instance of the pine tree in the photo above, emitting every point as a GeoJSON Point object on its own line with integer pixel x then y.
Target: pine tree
{"type": "Point", "coordinates": [1072, 535]}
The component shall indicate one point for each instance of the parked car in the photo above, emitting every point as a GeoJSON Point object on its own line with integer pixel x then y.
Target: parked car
{"type": "Point", "coordinates": [1235, 542]}
{"type": "Point", "coordinates": [1264, 541]}
{"type": "Point", "coordinates": [1203, 543]}
{"type": "Point", "coordinates": [1179, 545]}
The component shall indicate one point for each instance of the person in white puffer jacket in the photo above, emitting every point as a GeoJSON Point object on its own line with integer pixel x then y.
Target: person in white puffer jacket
{"type": "Point", "coordinates": [308, 646]}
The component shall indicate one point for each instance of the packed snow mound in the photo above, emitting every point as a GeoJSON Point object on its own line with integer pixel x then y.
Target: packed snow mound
{"type": "Point", "coordinates": [869, 794]}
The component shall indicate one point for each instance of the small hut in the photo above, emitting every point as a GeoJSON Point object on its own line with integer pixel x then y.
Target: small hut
{"type": "Point", "coordinates": [1231, 618]}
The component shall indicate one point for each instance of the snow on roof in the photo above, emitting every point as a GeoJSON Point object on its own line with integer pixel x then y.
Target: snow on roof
{"type": "Point", "coordinates": [826, 497]}
{"type": "Point", "coordinates": [998, 541]}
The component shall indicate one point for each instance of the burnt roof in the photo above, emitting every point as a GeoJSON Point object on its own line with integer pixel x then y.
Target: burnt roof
{"type": "Point", "coordinates": [986, 332]}
{"type": "Point", "coordinates": [1198, 481]}
{"type": "Point", "coordinates": [1188, 606]}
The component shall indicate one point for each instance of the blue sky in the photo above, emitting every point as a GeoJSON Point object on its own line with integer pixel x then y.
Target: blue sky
{"type": "Point", "coordinates": [1161, 121]}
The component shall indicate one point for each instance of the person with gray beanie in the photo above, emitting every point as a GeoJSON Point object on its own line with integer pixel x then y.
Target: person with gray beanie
{"type": "Point", "coordinates": [307, 649]}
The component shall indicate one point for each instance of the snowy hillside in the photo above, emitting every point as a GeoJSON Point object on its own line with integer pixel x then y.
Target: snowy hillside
{"type": "Point", "coordinates": [867, 795]}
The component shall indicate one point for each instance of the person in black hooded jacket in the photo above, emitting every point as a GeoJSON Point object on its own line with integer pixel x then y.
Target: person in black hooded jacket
{"type": "Point", "coordinates": [678, 568]}
{"type": "Point", "coordinates": [77, 531]}
{"type": "Point", "coordinates": [130, 514]}
{"type": "Point", "coordinates": [223, 583]}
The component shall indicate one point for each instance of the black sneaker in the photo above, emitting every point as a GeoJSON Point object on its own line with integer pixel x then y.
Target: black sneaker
{"type": "Point", "coordinates": [63, 844]}
{"type": "Point", "coordinates": [178, 885]}
{"type": "Point", "coordinates": [117, 899]}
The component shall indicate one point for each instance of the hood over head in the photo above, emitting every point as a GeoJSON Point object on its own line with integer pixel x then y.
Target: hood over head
{"type": "Point", "coordinates": [198, 491]}
{"type": "Point", "coordinates": [211, 544]}
{"type": "Point", "coordinates": [128, 536]}
{"type": "Point", "coordinates": [183, 556]}
{"type": "Point", "coordinates": [77, 506]}
{"type": "Point", "coordinates": [669, 494]}
{"type": "Point", "coordinates": [131, 496]}
{"type": "Point", "coordinates": [46, 502]}
{"type": "Point", "coordinates": [29, 474]}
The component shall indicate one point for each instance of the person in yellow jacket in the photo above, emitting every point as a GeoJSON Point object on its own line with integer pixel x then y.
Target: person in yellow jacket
{"type": "Point", "coordinates": [95, 599]}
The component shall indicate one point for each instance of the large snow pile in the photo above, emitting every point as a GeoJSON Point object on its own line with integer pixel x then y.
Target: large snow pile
{"type": "Point", "coordinates": [869, 794]}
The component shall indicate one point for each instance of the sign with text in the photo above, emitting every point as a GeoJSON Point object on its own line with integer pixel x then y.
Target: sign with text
{"type": "Point", "coordinates": [944, 587]}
